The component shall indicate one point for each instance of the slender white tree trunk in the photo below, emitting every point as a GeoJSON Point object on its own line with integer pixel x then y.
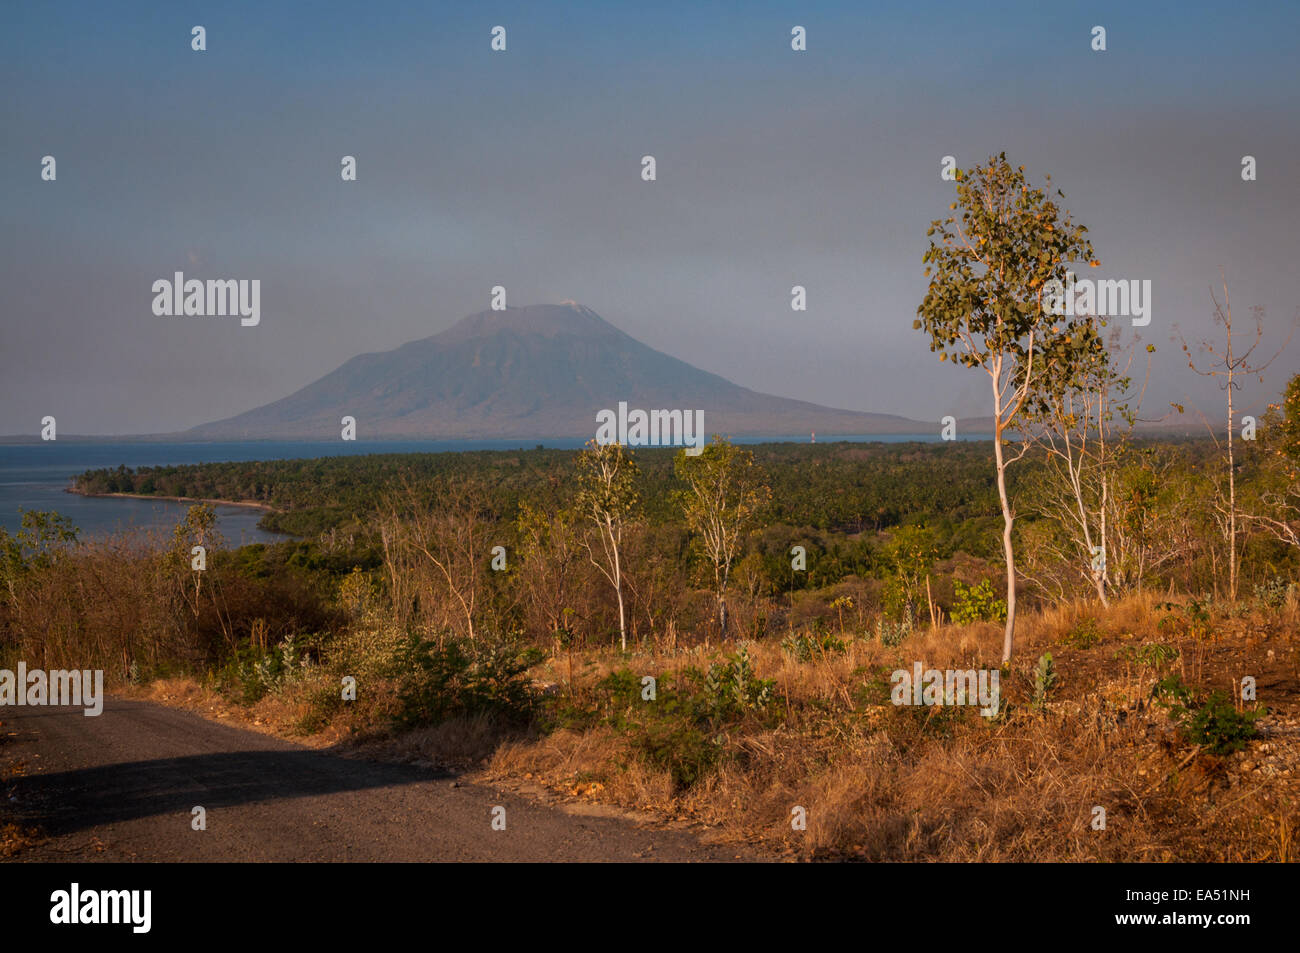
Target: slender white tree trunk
{"type": "Point", "coordinates": [618, 590]}
{"type": "Point", "coordinates": [1232, 489]}
{"type": "Point", "coordinates": [1007, 522]}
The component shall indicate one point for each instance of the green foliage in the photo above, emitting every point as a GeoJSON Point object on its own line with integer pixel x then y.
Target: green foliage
{"type": "Point", "coordinates": [909, 554]}
{"type": "Point", "coordinates": [808, 645]}
{"type": "Point", "coordinates": [875, 686]}
{"type": "Point", "coordinates": [725, 492]}
{"type": "Point", "coordinates": [1084, 635]}
{"type": "Point", "coordinates": [977, 604]}
{"type": "Point", "coordinates": [840, 487]}
{"type": "Point", "coordinates": [1044, 680]}
{"type": "Point", "coordinates": [1193, 618]}
{"type": "Point", "coordinates": [1272, 594]}
{"type": "Point", "coordinates": [683, 729]}
{"type": "Point", "coordinates": [1171, 690]}
{"type": "Point", "coordinates": [988, 273]}
{"type": "Point", "coordinates": [891, 634]}
{"type": "Point", "coordinates": [681, 748]}
{"type": "Point", "coordinates": [457, 678]}
{"type": "Point", "coordinates": [1217, 725]}
{"type": "Point", "coordinates": [1213, 722]}
{"type": "Point", "coordinates": [1151, 654]}
{"type": "Point", "coordinates": [253, 673]}
{"type": "Point", "coordinates": [198, 528]}
{"type": "Point", "coordinates": [1282, 426]}
{"type": "Point", "coordinates": [732, 686]}
{"type": "Point", "coordinates": [41, 537]}
{"type": "Point", "coordinates": [607, 490]}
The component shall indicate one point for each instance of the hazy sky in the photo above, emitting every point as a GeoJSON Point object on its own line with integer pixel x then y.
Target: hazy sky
{"type": "Point", "coordinates": [522, 169]}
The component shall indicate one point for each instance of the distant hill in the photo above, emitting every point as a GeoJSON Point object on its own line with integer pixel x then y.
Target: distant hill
{"type": "Point", "coordinates": [537, 371]}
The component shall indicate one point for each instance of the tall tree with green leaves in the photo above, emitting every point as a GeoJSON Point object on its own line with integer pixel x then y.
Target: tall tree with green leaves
{"type": "Point", "coordinates": [608, 498]}
{"type": "Point", "coordinates": [197, 530]}
{"type": "Point", "coordinates": [725, 491]}
{"type": "Point", "coordinates": [994, 270]}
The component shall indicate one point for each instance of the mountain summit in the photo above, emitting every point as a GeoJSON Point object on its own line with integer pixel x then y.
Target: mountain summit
{"type": "Point", "coordinates": [531, 372]}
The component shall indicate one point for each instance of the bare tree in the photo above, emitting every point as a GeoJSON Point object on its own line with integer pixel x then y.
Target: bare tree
{"type": "Point", "coordinates": [1228, 363]}
{"type": "Point", "coordinates": [1083, 424]}
{"type": "Point", "coordinates": [440, 540]}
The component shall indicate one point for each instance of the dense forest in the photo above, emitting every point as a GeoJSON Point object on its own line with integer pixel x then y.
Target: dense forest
{"type": "Point", "coordinates": [843, 502]}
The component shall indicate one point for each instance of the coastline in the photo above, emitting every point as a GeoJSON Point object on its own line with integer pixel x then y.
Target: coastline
{"type": "Point", "coordinates": [251, 504]}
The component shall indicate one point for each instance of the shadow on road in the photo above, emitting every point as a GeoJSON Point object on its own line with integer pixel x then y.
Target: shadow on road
{"type": "Point", "coordinates": [70, 801]}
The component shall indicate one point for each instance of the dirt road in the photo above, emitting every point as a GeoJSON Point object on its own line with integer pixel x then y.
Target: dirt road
{"type": "Point", "coordinates": [122, 787]}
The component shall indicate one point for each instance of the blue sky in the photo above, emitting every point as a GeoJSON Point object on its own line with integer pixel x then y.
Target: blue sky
{"type": "Point", "coordinates": [522, 169]}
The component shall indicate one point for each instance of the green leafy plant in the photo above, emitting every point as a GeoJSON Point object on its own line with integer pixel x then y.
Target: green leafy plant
{"type": "Point", "coordinates": [1195, 617]}
{"type": "Point", "coordinates": [806, 646]}
{"type": "Point", "coordinates": [1044, 679]}
{"type": "Point", "coordinates": [460, 678]}
{"type": "Point", "coordinates": [1213, 722]}
{"type": "Point", "coordinates": [253, 672]}
{"type": "Point", "coordinates": [890, 633]}
{"type": "Point", "coordinates": [1084, 635]}
{"type": "Point", "coordinates": [1153, 654]}
{"type": "Point", "coordinates": [1219, 726]}
{"type": "Point", "coordinates": [1272, 594]}
{"type": "Point", "coordinates": [732, 685]}
{"type": "Point", "coordinates": [977, 604]}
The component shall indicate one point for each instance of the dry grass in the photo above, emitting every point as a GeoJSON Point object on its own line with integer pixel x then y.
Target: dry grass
{"type": "Point", "coordinates": [879, 782]}
{"type": "Point", "coordinates": [882, 783]}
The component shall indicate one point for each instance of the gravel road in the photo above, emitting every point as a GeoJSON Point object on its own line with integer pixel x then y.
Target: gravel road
{"type": "Point", "coordinates": [122, 786]}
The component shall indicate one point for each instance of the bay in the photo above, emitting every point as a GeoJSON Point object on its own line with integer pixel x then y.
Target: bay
{"type": "Point", "coordinates": [36, 476]}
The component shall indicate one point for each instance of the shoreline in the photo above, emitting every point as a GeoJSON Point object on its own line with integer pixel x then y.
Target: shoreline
{"type": "Point", "coordinates": [250, 504]}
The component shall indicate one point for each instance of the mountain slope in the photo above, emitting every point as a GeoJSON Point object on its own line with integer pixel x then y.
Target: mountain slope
{"type": "Point", "coordinates": [538, 371]}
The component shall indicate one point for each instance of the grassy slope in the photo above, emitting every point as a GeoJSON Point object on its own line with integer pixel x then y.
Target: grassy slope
{"type": "Point", "coordinates": [880, 782]}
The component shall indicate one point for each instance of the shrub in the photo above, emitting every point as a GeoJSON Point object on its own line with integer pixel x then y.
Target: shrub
{"type": "Point", "coordinates": [1196, 617]}
{"type": "Point", "coordinates": [977, 604]}
{"type": "Point", "coordinates": [439, 682]}
{"type": "Point", "coordinates": [1217, 725]}
{"type": "Point", "coordinates": [681, 749]}
{"type": "Point", "coordinates": [1152, 655]}
{"type": "Point", "coordinates": [683, 730]}
{"type": "Point", "coordinates": [809, 645]}
{"type": "Point", "coordinates": [1084, 635]}
{"type": "Point", "coordinates": [1272, 594]}
{"type": "Point", "coordinates": [1213, 722]}
{"type": "Point", "coordinates": [890, 633]}
{"type": "Point", "coordinates": [253, 672]}
{"type": "Point", "coordinates": [732, 687]}
{"type": "Point", "coordinates": [1044, 679]}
